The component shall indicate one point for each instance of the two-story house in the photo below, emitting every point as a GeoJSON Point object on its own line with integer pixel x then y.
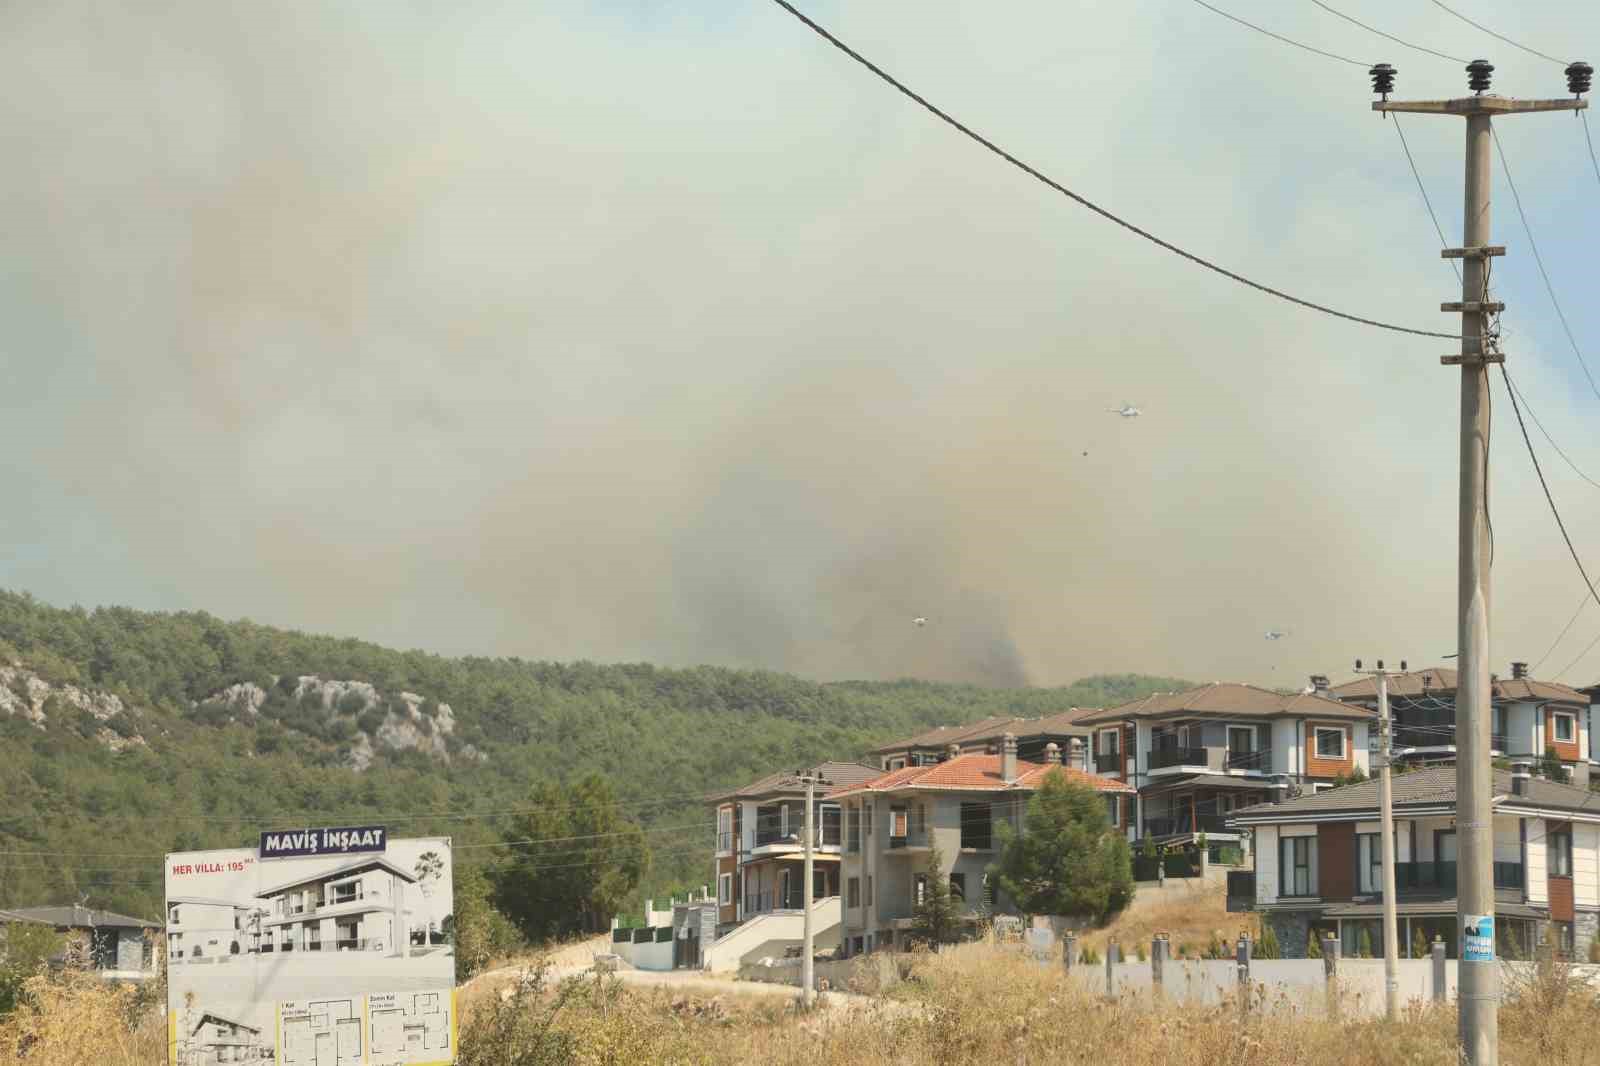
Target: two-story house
{"type": "Point", "coordinates": [1033, 734]}
{"type": "Point", "coordinates": [216, 1039]}
{"type": "Point", "coordinates": [1529, 717]}
{"type": "Point", "coordinates": [1318, 864]}
{"type": "Point", "coordinates": [760, 853]}
{"type": "Point", "coordinates": [202, 928]}
{"type": "Point", "coordinates": [1196, 756]}
{"type": "Point", "coordinates": [359, 906]}
{"type": "Point", "coordinates": [893, 822]}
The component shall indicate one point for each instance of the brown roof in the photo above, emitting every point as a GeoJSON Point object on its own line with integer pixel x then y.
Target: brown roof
{"type": "Point", "coordinates": [975, 772]}
{"type": "Point", "coordinates": [70, 917]}
{"type": "Point", "coordinates": [994, 728]}
{"type": "Point", "coordinates": [783, 782]}
{"type": "Point", "coordinates": [1440, 680]}
{"type": "Point", "coordinates": [1229, 699]}
{"type": "Point", "coordinates": [1421, 788]}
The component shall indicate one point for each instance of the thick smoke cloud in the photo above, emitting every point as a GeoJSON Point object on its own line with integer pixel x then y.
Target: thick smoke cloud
{"type": "Point", "coordinates": [651, 332]}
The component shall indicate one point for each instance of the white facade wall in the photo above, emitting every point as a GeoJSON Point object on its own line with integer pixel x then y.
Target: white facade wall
{"type": "Point", "coordinates": [1358, 741]}
{"type": "Point", "coordinates": [1286, 750]}
{"type": "Point", "coordinates": [1524, 729]}
{"type": "Point", "coordinates": [1265, 847]}
{"type": "Point", "coordinates": [1585, 864]}
{"type": "Point", "coordinates": [1537, 873]}
{"type": "Point", "coordinates": [1507, 840]}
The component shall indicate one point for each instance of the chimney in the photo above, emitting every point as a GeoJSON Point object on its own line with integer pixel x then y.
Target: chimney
{"type": "Point", "coordinates": [1519, 671]}
{"type": "Point", "coordinates": [952, 751]}
{"type": "Point", "coordinates": [1052, 754]}
{"type": "Point", "coordinates": [1520, 776]}
{"type": "Point", "coordinates": [1008, 758]}
{"type": "Point", "coordinates": [1080, 754]}
{"type": "Point", "coordinates": [1319, 684]}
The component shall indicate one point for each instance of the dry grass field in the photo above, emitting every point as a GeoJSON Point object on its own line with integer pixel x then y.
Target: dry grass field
{"type": "Point", "coordinates": [974, 1004]}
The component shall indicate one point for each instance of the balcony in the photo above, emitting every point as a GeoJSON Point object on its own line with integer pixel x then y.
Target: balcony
{"type": "Point", "coordinates": [725, 841]}
{"type": "Point", "coordinates": [1165, 757]}
{"type": "Point", "coordinates": [1260, 761]}
{"type": "Point", "coordinates": [915, 839]}
{"type": "Point", "coordinates": [1437, 736]}
{"type": "Point", "coordinates": [1108, 762]}
{"type": "Point", "coordinates": [1185, 824]}
{"type": "Point", "coordinates": [773, 900]}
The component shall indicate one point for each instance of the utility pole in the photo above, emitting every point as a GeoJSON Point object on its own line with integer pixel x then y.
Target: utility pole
{"type": "Point", "coordinates": [1391, 924]}
{"type": "Point", "coordinates": [1479, 975]}
{"type": "Point", "coordinates": [808, 985]}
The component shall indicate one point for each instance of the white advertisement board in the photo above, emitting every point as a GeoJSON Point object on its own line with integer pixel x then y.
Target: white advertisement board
{"type": "Point", "coordinates": [333, 955]}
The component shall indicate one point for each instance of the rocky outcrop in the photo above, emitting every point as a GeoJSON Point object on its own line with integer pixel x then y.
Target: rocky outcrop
{"type": "Point", "coordinates": [25, 693]}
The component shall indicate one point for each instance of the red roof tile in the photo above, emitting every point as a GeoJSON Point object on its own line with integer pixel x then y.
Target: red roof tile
{"type": "Point", "coordinates": [976, 772]}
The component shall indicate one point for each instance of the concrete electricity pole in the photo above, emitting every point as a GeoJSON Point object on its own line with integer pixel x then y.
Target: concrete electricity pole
{"type": "Point", "coordinates": [1479, 975]}
{"type": "Point", "coordinates": [1391, 924]}
{"type": "Point", "coordinates": [808, 985]}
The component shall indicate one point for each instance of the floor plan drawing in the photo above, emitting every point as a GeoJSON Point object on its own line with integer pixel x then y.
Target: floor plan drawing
{"type": "Point", "coordinates": [410, 1028]}
{"type": "Point", "coordinates": [323, 1032]}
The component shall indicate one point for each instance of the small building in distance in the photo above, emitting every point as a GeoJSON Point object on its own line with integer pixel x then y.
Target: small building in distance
{"type": "Point", "coordinates": [119, 947]}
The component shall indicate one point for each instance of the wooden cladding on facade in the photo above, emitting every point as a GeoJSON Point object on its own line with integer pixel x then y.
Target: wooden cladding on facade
{"type": "Point", "coordinates": [1565, 750]}
{"type": "Point", "coordinates": [1336, 860]}
{"type": "Point", "coordinates": [1321, 766]}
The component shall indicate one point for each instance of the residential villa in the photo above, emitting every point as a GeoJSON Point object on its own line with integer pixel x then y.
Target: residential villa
{"type": "Point", "coordinates": [759, 852]}
{"type": "Point", "coordinates": [119, 947]}
{"type": "Point", "coordinates": [1529, 717]}
{"type": "Point", "coordinates": [1194, 757]}
{"type": "Point", "coordinates": [1318, 864]}
{"type": "Point", "coordinates": [359, 906]}
{"type": "Point", "coordinates": [893, 822]}
{"type": "Point", "coordinates": [199, 928]}
{"type": "Point", "coordinates": [215, 1040]}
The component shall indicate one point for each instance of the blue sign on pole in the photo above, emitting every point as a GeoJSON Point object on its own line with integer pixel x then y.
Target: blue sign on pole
{"type": "Point", "coordinates": [1477, 938]}
{"type": "Point", "coordinates": [346, 840]}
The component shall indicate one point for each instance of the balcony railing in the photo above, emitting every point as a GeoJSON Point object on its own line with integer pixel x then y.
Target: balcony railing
{"type": "Point", "coordinates": [772, 900]}
{"type": "Point", "coordinates": [1185, 823]}
{"type": "Point", "coordinates": [1108, 762]}
{"type": "Point", "coordinates": [916, 838]}
{"type": "Point", "coordinates": [1161, 758]}
{"type": "Point", "coordinates": [1250, 760]}
{"type": "Point", "coordinates": [1437, 736]}
{"type": "Point", "coordinates": [724, 841]}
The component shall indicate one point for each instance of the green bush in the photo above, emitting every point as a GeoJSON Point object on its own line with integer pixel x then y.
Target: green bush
{"type": "Point", "coordinates": [1267, 946]}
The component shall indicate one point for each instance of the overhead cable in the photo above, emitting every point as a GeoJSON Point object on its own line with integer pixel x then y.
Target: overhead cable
{"type": "Point", "coordinates": [1044, 179]}
{"type": "Point", "coordinates": [1281, 37]}
{"type": "Point", "coordinates": [1387, 36]}
{"type": "Point", "coordinates": [1496, 36]}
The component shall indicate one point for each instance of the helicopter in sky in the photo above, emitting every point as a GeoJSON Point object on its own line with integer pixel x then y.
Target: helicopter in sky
{"type": "Point", "coordinates": [1127, 410]}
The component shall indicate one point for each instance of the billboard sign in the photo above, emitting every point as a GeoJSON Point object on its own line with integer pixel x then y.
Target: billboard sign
{"type": "Point", "coordinates": [320, 947]}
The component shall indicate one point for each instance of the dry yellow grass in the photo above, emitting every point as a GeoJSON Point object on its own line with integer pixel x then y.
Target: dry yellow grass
{"type": "Point", "coordinates": [1190, 914]}
{"type": "Point", "coordinates": [72, 1020]}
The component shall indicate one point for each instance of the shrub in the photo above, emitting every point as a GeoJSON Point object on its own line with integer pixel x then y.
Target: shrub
{"type": "Point", "coordinates": [1267, 946]}
{"type": "Point", "coordinates": [1313, 945]}
{"type": "Point", "coordinates": [1364, 944]}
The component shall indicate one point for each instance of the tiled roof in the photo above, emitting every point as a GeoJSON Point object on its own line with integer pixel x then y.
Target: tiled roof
{"type": "Point", "coordinates": [783, 782]}
{"type": "Point", "coordinates": [1423, 788]}
{"type": "Point", "coordinates": [1229, 699]}
{"type": "Point", "coordinates": [975, 772]}
{"type": "Point", "coordinates": [1061, 722]}
{"type": "Point", "coordinates": [1439, 681]}
{"type": "Point", "coordinates": [74, 918]}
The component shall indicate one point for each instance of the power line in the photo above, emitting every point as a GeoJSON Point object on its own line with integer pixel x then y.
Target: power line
{"type": "Point", "coordinates": [1426, 202]}
{"type": "Point", "coordinates": [1584, 602]}
{"type": "Point", "coordinates": [1044, 179]}
{"type": "Point", "coordinates": [1575, 468]}
{"type": "Point", "coordinates": [1386, 36]}
{"type": "Point", "coordinates": [1496, 36]}
{"type": "Point", "coordinates": [1582, 655]}
{"type": "Point", "coordinates": [1589, 140]}
{"type": "Point", "coordinates": [1516, 198]}
{"type": "Point", "coordinates": [1281, 37]}
{"type": "Point", "coordinates": [1515, 407]}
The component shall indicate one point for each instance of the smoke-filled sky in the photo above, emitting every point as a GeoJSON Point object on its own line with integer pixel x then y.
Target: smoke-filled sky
{"type": "Point", "coordinates": [661, 331]}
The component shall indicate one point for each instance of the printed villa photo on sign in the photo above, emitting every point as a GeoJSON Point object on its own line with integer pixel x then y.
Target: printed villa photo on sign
{"type": "Point", "coordinates": [322, 959]}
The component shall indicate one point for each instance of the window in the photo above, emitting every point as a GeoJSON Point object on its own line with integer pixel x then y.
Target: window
{"type": "Point", "coordinates": [725, 889]}
{"type": "Point", "coordinates": [976, 826]}
{"type": "Point", "coordinates": [1560, 848]}
{"type": "Point", "coordinates": [919, 890]}
{"type": "Point", "coordinates": [852, 893]}
{"type": "Point", "coordinates": [1114, 809]}
{"type": "Point", "coordinates": [1566, 727]}
{"type": "Point", "coordinates": [958, 886]}
{"type": "Point", "coordinates": [897, 822]}
{"type": "Point", "coordinates": [866, 816]}
{"type": "Point", "coordinates": [896, 764]}
{"type": "Point", "coordinates": [1369, 861]}
{"type": "Point", "coordinates": [852, 829]}
{"type": "Point", "coordinates": [1297, 874]}
{"type": "Point", "coordinates": [1109, 741]}
{"type": "Point", "coordinates": [724, 828]}
{"type": "Point", "coordinates": [1330, 742]}
{"type": "Point", "coordinates": [869, 890]}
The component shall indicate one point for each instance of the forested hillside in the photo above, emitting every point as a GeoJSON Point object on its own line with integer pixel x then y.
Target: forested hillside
{"type": "Point", "coordinates": [126, 734]}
